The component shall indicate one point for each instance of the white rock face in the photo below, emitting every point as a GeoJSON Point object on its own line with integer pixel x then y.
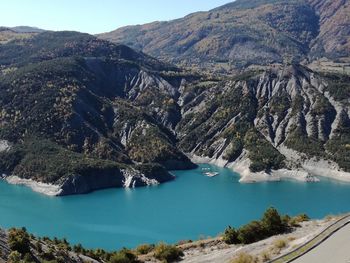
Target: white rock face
{"type": "Point", "coordinates": [4, 145]}
{"type": "Point", "coordinates": [241, 166]}
{"type": "Point", "coordinates": [316, 167]}
{"type": "Point", "coordinates": [132, 179]}
{"type": "Point", "coordinates": [325, 168]}
{"type": "Point", "coordinates": [47, 189]}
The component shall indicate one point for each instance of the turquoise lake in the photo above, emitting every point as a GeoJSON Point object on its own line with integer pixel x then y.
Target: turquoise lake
{"type": "Point", "coordinates": [191, 206]}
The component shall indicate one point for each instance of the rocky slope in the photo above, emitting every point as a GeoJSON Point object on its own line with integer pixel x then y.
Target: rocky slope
{"type": "Point", "coordinates": [244, 33]}
{"type": "Point", "coordinates": [285, 117]}
{"type": "Point", "coordinates": [73, 114]}
{"type": "Point", "coordinates": [16, 245]}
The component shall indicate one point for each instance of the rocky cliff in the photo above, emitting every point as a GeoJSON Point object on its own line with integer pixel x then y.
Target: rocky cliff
{"type": "Point", "coordinates": [269, 120]}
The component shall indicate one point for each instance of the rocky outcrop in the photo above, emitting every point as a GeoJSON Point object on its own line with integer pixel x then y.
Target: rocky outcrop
{"type": "Point", "coordinates": [82, 184]}
{"type": "Point", "coordinates": [112, 178]}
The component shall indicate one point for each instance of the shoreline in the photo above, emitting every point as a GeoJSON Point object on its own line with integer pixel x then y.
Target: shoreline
{"type": "Point", "coordinates": [42, 188]}
{"type": "Point", "coordinates": [309, 171]}
{"type": "Point", "coordinates": [241, 166]}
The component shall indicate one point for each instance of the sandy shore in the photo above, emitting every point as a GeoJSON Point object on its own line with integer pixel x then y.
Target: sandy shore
{"type": "Point", "coordinates": [47, 189]}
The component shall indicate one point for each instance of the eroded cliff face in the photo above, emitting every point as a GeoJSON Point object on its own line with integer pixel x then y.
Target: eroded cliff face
{"type": "Point", "coordinates": [259, 116]}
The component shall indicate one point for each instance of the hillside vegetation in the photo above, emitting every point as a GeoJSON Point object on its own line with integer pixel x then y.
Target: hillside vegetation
{"type": "Point", "coordinates": [72, 105]}
{"type": "Point", "coordinates": [245, 33]}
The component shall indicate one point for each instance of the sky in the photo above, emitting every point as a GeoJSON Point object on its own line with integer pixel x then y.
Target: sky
{"type": "Point", "coordinates": [96, 16]}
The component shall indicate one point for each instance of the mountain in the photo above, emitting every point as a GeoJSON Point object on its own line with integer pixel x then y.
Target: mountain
{"type": "Point", "coordinates": [73, 111]}
{"type": "Point", "coordinates": [246, 33]}
{"type": "Point", "coordinates": [80, 113]}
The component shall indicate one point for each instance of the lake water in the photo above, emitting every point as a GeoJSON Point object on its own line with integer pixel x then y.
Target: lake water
{"type": "Point", "coordinates": [190, 207]}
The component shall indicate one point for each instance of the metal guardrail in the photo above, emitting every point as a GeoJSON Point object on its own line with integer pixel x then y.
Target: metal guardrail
{"type": "Point", "coordinates": [314, 242]}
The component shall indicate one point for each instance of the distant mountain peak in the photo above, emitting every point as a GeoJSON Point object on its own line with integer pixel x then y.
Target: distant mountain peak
{"type": "Point", "coordinates": [27, 29]}
{"type": "Point", "coordinates": [246, 33]}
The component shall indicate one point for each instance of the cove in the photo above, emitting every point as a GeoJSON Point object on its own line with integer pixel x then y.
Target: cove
{"type": "Point", "coordinates": [193, 205]}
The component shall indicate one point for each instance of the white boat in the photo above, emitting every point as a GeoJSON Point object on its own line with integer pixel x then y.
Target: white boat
{"type": "Point", "coordinates": [211, 174]}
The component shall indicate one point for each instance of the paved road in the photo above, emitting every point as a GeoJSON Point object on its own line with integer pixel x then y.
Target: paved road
{"type": "Point", "coordinates": [335, 249]}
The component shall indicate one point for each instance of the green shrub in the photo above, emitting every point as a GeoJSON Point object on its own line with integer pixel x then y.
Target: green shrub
{"type": "Point", "coordinates": [272, 222]}
{"type": "Point", "coordinates": [78, 248]}
{"type": "Point", "coordinates": [28, 258]}
{"type": "Point", "coordinates": [265, 256]}
{"type": "Point", "coordinates": [280, 243]}
{"type": "Point", "coordinates": [302, 217]}
{"type": "Point", "coordinates": [123, 256]}
{"type": "Point", "coordinates": [14, 257]}
{"type": "Point", "coordinates": [286, 220]}
{"type": "Point", "coordinates": [144, 249]}
{"type": "Point", "coordinates": [18, 240]}
{"type": "Point", "coordinates": [167, 253]}
{"type": "Point", "coordinates": [230, 236]}
{"type": "Point", "coordinates": [252, 232]}
{"type": "Point", "coordinates": [48, 255]}
{"type": "Point", "coordinates": [296, 220]}
{"type": "Point", "coordinates": [244, 258]}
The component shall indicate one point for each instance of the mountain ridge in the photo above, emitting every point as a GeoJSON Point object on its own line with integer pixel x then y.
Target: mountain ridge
{"type": "Point", "coordinates": [246, 33]}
